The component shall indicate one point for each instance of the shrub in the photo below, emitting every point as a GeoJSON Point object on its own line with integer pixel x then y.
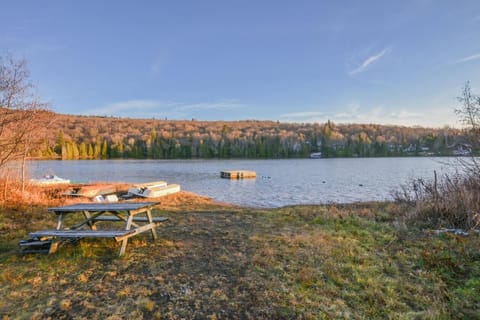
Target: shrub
{"type": "Point", "coordinates": [453, 201]}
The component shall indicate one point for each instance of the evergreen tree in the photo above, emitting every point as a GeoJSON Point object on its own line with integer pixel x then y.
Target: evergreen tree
{"type": "Point", "coordinates": [60, 143]}
{"type": "Point", "coordinates": [104, 151]}
{"type": "Point", "coordinates": [83, 150]}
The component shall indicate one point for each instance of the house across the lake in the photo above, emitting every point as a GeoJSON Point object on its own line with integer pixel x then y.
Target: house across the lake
{"type": "Point", "coordinates": [462, 149]}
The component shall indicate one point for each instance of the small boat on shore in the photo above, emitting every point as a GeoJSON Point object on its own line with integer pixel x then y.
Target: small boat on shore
{"type": "Point", "coordinates": [48, 180]}
{"type": "Point", "coordinates": [315, 155]}
{"type": "Point", "coordinates": [153, 189]}
{"type": "Point", "coordinates": [91, 191]}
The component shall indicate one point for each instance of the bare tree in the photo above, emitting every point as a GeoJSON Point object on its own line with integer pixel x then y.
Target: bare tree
{"type": "Point", "coordinates": [469, 114]}
{"type": "Point", "coordinates": [451, 200]}
{"type": "Point", "coordinates": [22, 115]}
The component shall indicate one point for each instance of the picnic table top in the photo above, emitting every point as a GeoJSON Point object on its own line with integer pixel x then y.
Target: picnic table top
{"type": "Point", "coordinates": [124, 206]}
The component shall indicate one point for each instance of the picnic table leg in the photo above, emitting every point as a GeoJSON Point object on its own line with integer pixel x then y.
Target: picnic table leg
{"type": "Point", "coordinates": [128, 225]}
{"type": "Point", "coordinates": [91, 224]}
{"type": "Point", "coordinates": [59, 221]}
{"type": "Point", "coordinates": [55, 242]}
{"type": "Point", "coordinates": [53, 246]}
{"type": "Point", "coordinates": [150, 220]}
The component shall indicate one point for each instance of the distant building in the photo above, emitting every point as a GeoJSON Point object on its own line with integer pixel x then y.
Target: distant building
{"type": "Point", "coordinates": [462, 149]}
{"type": "Point", "coordinates": [410, 149]}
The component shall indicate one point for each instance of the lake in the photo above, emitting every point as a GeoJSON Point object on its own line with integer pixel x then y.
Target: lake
{"type": "Point", "coordinates": [278, 182]}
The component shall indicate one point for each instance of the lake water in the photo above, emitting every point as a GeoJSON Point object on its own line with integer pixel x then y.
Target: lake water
{"type": "Point", "coordinates": [278, 183]}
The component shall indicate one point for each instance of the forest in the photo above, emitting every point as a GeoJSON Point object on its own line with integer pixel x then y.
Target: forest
{"type": "Point", "coordinates": [70, 137]}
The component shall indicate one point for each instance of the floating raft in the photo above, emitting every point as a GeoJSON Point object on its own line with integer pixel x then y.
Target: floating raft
{"type": "Point", "coordinates": [238, 174]}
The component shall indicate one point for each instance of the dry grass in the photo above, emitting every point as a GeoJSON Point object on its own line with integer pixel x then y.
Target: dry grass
{"type": "Point", "coordinates": [215, 261]}
{"type": "Point", "coordinates": [453, 201]}
{"type": "Point", "coordinates": [55, 195]}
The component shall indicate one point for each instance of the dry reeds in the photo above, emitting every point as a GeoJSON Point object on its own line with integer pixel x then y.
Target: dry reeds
{"type": "Point", "coordinates": [12, 193]}
{"type": "Point", "coordinates": [452, 201]}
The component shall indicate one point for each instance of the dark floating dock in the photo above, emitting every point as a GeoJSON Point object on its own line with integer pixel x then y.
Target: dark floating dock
{"type": "Point", "coordinates": [238, 174]}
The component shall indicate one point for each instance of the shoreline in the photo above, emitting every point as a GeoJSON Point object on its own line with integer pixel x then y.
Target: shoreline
{"type": "Point", "coordinates": [57, 195]}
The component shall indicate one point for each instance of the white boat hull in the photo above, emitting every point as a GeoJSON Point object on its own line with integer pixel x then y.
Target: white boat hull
{"type": "Point", "coordinates": [154, 192]}
{"type": "Point", "coordinates": [49, 180]}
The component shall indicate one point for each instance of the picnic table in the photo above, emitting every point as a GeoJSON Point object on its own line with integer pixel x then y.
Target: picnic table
{"type": "Point", "coordinates": [135, 216]}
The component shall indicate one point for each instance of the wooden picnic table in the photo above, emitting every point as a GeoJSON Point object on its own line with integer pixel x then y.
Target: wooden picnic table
{"type": "Point", "coordinates": [130, 213]}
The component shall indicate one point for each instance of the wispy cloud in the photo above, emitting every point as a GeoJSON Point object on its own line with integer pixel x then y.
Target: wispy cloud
{"type": "Point", "coordinates": [469, 58]}
{"type": "Point", "coordinates": [218, 105]}
{"type": "Point", "coordinates": [125, 106]}
{"type": "Point", "coordinates": [303, 115]}
{"type": "Point", "coordinates": [369, 61]}
{"type": "Point", "coordinates": [157, 108]}
{"type": "Point", "coordinates": [376, 114]}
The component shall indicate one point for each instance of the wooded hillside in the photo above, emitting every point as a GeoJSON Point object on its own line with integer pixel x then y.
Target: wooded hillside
{"type": "Point", "coordinates": [88, 137]}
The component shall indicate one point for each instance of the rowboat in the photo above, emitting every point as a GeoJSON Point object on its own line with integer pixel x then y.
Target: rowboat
{"type": "Point", "coordinates": [91, 191]}
{"type": "Point", "coordinates": [153, 189]}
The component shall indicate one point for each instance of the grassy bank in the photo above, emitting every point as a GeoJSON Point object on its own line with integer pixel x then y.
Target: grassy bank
{"type": "Point", "coordinates": [221, 262]}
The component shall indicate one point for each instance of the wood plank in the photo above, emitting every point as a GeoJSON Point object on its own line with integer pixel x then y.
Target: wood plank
{"type": "Point", "coordinates": [136, 231]}
{"type": "Point", "coordinates": [35, 250]}
{"type": "Point", "coordinates": [35, 246]}
{"type": "Point", "coordinates": [144, 228]}
{"type": "Point", "coordinates": [82, 233]}
{"type": "Point", "coordinates": [135, 219]}
{"type": "Point", "coordinates": [34, 243]}
{"type": "Point", "coordinates": [96, 207]}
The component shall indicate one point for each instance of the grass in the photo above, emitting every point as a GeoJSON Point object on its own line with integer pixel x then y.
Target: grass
{"type": "Point", "coordinates": [305, 262]}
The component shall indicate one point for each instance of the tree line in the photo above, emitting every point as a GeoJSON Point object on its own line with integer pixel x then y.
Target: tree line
{"type": "Point", "coordinates": [89, 137]}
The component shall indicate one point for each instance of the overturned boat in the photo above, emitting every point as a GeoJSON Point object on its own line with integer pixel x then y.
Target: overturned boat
{"type": "Point", "coordinates": [91, 191]}
{"type": "Point", "coordinates": [153, 189]}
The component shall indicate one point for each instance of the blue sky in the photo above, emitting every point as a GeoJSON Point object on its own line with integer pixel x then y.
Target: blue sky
{"type": "Point", "coordinates": [388, 62]}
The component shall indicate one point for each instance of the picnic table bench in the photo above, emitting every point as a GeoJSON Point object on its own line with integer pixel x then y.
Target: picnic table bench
{"type": "Point", "coordinates": [96, 212]}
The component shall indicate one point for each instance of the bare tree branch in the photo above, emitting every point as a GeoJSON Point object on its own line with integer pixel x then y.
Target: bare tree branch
{"type": "Point", "coordinates": [22, 115]}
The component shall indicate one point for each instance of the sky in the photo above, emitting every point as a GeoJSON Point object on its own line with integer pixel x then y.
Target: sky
{"type": "Point", "coordinates": [385, 62]}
